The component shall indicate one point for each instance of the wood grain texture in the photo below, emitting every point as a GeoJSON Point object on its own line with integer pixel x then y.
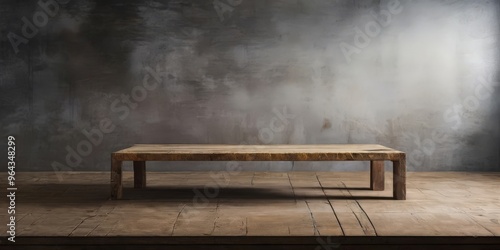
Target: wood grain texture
{"type": "Point", "coordinates": [310, 204]}
{"type": "Point", "coordinates": [376, 154]}
{"type": "Point", "coordinates": [377, 180]}
{"type": "Point", "coordinates": [224, 152]}
{"type": "Point", "coordinates": [116, 179]}
{"type": "Point", "coordinates": [139, 174]}
{"type": "Point", "coordinates": [399, 179]}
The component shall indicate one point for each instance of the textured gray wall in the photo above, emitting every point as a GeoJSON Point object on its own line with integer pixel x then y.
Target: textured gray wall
{"type": "Point", "coordinates": [419, 76]}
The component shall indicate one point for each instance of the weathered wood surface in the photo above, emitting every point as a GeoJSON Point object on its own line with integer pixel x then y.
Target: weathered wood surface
{"type": "Point", "coordinates": [217, 152]}
{"type": "Point", "coordinates": [139, 174]}
{"type": "Point", "coordinates": [399, 178]}
{"type": "Point", "coordinates": [223, 152]}
{"type": "Point", "coordinates": [116, 179]}
{"type": "Point", "coordinates": [377, 180]}
{"type": "Point", "coordinates": [256, 203]}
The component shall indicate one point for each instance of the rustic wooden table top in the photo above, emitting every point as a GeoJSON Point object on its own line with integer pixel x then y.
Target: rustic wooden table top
{"type": "Point", "coordinates": [227, 152]}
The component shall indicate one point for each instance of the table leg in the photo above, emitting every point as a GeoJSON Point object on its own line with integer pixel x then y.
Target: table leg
{"type": "Point", "coordinates": [377, 175]}
{"type": "Point", "coordinates": [139, 174]}
{"type": "Point", "coordinates": [399, 179]}
{"type": "Point", "coordinates": [116, 179]}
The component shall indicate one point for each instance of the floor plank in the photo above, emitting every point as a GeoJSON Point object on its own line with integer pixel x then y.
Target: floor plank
{"type": "Point", "coordinates": [77, 204]}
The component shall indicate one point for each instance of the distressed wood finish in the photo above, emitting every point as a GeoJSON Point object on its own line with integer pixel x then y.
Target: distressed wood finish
{"type": "Point", "coordinates": [399, 178]}
{"type": "Point", "coordinates": [116, 179]}
{"type": "Point", "coordinates": [248, 204]}
{"type": "Point", "coordinates": [374, 153]}
{"type": "Point", "coordinates": [139, 174]}
{"type": "Point", "coordinates": [223, 152]}
{"type": "Point", "coordinates": [377, 175]}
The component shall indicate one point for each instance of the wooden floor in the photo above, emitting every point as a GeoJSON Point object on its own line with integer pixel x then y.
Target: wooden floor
{"type": "Point", "coordinates": [325, 204]}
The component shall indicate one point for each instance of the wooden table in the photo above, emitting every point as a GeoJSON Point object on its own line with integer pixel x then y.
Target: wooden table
{"type": "Point", "coordinates": [376, 154]}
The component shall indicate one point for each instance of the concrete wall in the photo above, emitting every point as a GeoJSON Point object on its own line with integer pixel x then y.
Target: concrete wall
{"type": "Point", "coordinates": [419, 76]}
